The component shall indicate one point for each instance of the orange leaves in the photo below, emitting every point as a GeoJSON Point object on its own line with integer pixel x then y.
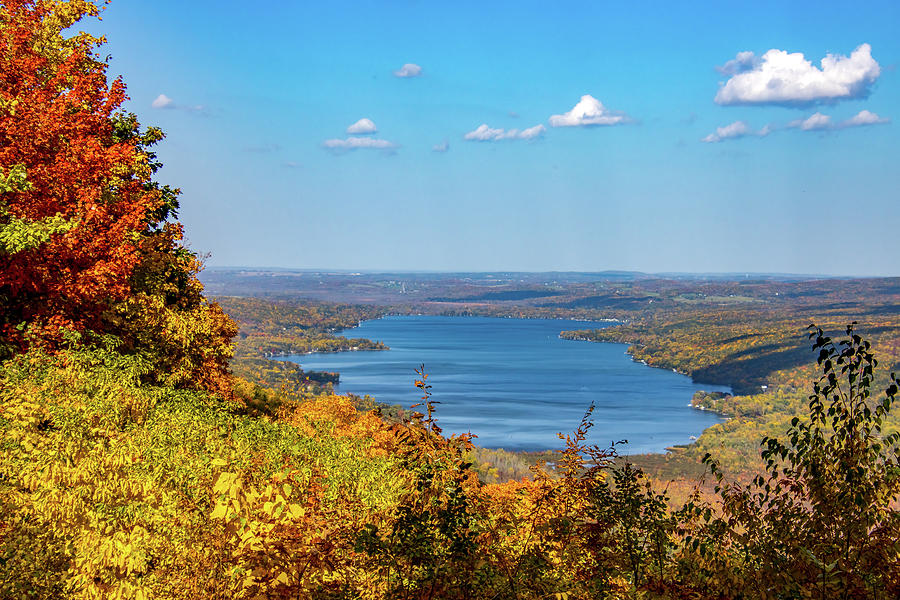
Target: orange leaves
{"type": "Point", "coordinates": [56, 122]}
{"type": "Point", "coordinates": [338, 417]}
{"type": "Point", "coordinates": [84, 238]}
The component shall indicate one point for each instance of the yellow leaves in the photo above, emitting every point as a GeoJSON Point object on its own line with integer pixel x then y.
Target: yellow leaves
{"type": "Point", "coordinates": [219, 512]}
{"type": "Point", "coordinates": [235, 489]}
{"type": "Point", "coordinates": [190, 341]}
{"type": "Point", "coordinates": [276, 533]}
{"type": "Point", "coordinates": [81, 480]}
{"type": "Point", "coordinates": [283, 578]}
{"type": "Point", "coordinates": [225, 483]}
{"type": "Point", "coordinates": [8, 105]}
{"type": "Point", "coordinates": [193, 493]}
{"type": "Point", "coordinates": [296, 511]}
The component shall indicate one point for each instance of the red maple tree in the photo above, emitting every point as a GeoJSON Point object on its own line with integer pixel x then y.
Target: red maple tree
{"type": "Point", "coordinates": [56, 112]}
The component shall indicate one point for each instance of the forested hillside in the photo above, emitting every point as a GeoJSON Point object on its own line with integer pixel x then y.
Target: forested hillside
{"type": "Point", "coordinates": [761, 353]}
{"type": "Point", "coordinates": [269, 329]}
{"type": "Point", "coordinates": [135, 464]}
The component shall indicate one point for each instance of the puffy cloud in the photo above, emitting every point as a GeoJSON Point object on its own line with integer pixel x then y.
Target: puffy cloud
{"type": "Point", "coordinates": [442, 147]}
{"type": "Point", "coordinates": [779, 77]}
{"type": "Point", "coordinates": [354, 143]}
{"type": "Point", "coordinates": [483, 133]}
{"type": "Point", "coordinates": [163, 101]}
{"type": "Point", "coordinates": [819, 122]}
{"type": "Point", "coordinates": [589, 111]}
{"type": "Point", "coordinates": [814, 122]}
{"type": "Point", "coordinates": [362, 126]}
{"type": "Point", "coordinates": [735, 130]}
{"type": "Point", "coordinates": [864, 117]}
{"type": "Point", "coordinates": [744, 61]}
{"type": "Point", "coordinates": [408, 70]}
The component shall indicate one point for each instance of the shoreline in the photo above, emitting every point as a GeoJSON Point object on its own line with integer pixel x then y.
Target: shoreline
{"type": "Point", "coordinates": [675, 447]}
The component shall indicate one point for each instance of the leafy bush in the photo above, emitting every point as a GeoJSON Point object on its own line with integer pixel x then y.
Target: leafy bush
{"type": "Point", "coordinates": [822, 521]}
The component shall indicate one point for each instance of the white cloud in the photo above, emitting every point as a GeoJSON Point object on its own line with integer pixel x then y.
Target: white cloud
{"type": "Point", "coordinates": [735, 130]}
{"type": "Point", "coordinates": [442, 147]}
{"type": "Point", "coordinates": [531, 132]}
{"type": "Point", "coordinates": [408, 70]}
{"type": "Point", "coordinates": [779, 77]}
{"type": "Point", "coordinates": [362, 126]}
{"type": "Point", "coordinates": [820, 122]}
{"type": "Point", "coordinates": [814, 122]}
{"type": "Point", "coordinates": [163, 101]}
{"type": "Point", "coordinates": [864, 117]}
{"type": "Point", "coordinates": [483, 133]}
{"type": "Point", "coordinates": [354, 143]}
{"type": "Point", "coordinates": [744, 61]}
{"type": "Point", "coordinates": [589, 111]}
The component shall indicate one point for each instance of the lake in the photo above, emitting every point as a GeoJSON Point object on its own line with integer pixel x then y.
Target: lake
{"type": "Point", "coordinates": [515, 384]}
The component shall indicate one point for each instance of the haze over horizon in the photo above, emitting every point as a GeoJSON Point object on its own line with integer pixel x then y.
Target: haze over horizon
{"type": "Point", "coordinates": [523, 137]}
{"type": "Point", "coordinates": [649, 275]}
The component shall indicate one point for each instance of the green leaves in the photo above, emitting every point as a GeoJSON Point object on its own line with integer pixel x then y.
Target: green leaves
{"type": "Point", "coordinates": [14, 180]}
{"type": "Point", "coordinates": [808, 524]}
{"type": "Point", "coordinates": [17, 235]}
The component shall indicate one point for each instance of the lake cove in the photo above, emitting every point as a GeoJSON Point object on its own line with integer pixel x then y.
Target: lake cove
{"type": "Point", "coordinates": [515, 384]}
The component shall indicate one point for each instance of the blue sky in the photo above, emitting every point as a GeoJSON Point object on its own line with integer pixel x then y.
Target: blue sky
{"type": "Point", "coordinates": [798, 171]}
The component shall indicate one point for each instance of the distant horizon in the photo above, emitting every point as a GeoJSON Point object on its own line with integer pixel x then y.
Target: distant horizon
{"type": "Point", "coordinates": [742, 274]}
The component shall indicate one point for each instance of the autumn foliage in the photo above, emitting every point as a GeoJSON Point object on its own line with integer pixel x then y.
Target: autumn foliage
{"type": "Point", "coordinates": [56, 126]}
{"type": "Point", "coordinates": [133, 467]}
{"type": "Point", "coordinates": [85, 241]}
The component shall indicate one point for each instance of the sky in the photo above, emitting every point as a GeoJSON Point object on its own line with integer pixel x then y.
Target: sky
{"type": "Point", "coordinates": [524, 136]}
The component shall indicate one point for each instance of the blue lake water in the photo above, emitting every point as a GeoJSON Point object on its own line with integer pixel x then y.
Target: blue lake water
{"type": "Point", "coordinates": [515, 384]}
